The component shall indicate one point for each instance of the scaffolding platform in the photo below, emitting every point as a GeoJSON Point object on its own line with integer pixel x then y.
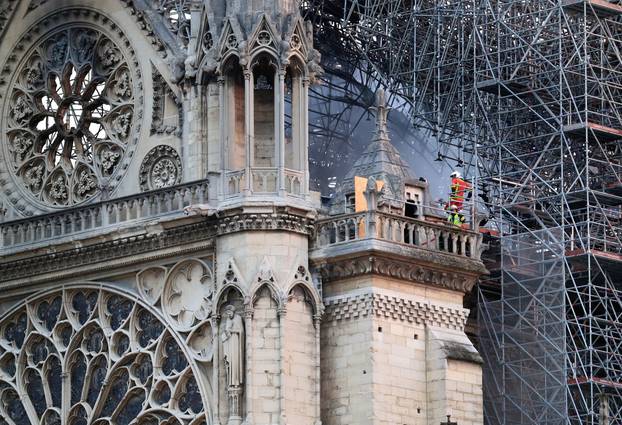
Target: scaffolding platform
{"type": "Point", "coordinates": [601, 7]}
{"type": "Point", "coordinates": [580, 380]}
{"type": "Point", "coordinates": [615, 190]}
{"type": "Point", "coordinates": [593, 130]}
{"type": "Point", "coordinates": [610, 195]}
{"type": "Point", "coordinates": [611, 260]}
{"type": "Point", "coordinates": [503, 88]}
{"type": "Point", "coordinates": [540, 127]}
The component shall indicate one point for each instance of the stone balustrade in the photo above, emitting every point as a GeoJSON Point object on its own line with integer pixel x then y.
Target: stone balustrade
{"type": "Point", "coordinates": [264, 181]}
{"type": "Point", "coordinates": [294, 181]}
{"type": "Point", "coordinates": [92, 217]}
{"type": "Point", "coordinates": [394, 228]}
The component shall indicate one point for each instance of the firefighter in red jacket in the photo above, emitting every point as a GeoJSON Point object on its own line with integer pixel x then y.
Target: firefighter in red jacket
{"type": "Point", "coordinates": [459, 188]}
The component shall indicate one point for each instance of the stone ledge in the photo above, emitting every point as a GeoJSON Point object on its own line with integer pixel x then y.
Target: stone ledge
{"type": "Point", "coordinates": [382, 258]}
{"type": "Point", "coordinates": [155, 236]}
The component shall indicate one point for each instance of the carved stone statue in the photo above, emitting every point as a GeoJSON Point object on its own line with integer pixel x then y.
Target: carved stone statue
{"type": "Point", "coordinates": [233, 347]}
{"type": "Point", "coordinates": [232, 337]}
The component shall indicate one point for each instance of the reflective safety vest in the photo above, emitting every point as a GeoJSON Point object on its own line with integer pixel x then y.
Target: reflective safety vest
{"type": "Point", "coordinates": [458, 188]}
{"type": "Point", "coordinates": [456, 219]}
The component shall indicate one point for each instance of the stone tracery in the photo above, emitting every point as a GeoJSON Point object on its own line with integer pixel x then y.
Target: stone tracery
{"type": "Point", "coordinates": [122, 363]}
{"type": "Point", "coordinates": [177, 16]}
{"type": "Point", "coordinates": [70, 115]}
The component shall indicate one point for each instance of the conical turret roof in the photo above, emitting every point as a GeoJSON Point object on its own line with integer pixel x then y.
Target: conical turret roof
{"type": "Point", "coordinates": [380, 159]}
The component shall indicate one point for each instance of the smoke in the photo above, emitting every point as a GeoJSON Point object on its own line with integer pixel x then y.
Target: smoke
{"type": "Point", "coordinates": [341, 127]}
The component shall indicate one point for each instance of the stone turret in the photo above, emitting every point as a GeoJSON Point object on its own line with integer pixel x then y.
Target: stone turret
{"type": "Point", "coordinates": [257, 74]}
{"type": "Point", "coordinates": [261, 67]}
{"type": "Point", "coordinates": [394, 350]}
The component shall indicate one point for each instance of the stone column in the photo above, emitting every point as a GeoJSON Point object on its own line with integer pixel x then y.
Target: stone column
{"type": "Point", "coordinates": [282, 313]}
{"type": "Point", "coordinates": [279, 120]}
{"type": "Point", "coordinates": [317, 321]}
{"type": "Point", "coordinates": [248, 319]}
{"type": "Point", "coordinates": [304, 130]}
{"type": "Point", "coordinates": [216, 369]}
{"type": "Point", "coordinates": [224, 146]}
{"type": "Point", "coordinates": [249, 130]}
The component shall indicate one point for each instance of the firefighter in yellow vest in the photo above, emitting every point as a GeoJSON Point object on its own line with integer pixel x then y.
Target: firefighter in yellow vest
{"type": "Point", "coordinates": [455, 217]}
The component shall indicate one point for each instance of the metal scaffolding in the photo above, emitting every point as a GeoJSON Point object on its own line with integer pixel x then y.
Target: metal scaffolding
{"type": "Point", "coordinates": [526, 95]}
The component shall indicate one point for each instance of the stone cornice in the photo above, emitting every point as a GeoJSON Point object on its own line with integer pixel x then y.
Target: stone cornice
{"type": "Point", "coordinates": [105, 251]}
{"type": "Point", "coordinates": [446, 271]}
{"type": "Point", "coordinates": [265, 221]}
{"type": "Point", "coordinates": [386, 306]}
{"type": "Point", "coordinates": [152, 237]}
{"type": "Point", "coordinates": [396, 268]}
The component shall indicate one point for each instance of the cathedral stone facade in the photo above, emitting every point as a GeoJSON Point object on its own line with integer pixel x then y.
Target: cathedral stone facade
{"type": "Point", "coordinates": [163, 259]}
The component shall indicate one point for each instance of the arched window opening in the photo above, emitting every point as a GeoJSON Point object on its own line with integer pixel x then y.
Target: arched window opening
{"type": "Point", "coordinates": [264, 153]}
{"type": "Point", "coordinates": [293, 117]}
{"type": "Point", "coordinates": [234, 98]}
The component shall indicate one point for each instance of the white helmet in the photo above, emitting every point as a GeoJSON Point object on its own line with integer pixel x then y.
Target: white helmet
{"type": "Point", "coordinates": [456, 174]}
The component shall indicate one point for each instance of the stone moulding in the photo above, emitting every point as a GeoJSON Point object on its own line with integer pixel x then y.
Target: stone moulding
{"type": "Point", "coordinates": [161, 90]}
{"type": "Point", "coordinates": [397, 269]}
{"type": "Point", "coordinates": [391, 307]}
{"type": "Point", "coordinates": [172, 236]}
{"type": "Point", "coordinates": [106, 251]}
{"type": "Point", "coordinates": [267, 221]}
{"type": "Point", "coordinates": [5, 14]}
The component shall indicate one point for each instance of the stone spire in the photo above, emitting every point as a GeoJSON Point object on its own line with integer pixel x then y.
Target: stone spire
{"type": "Point", "coordinates": [379, 160]}
{"type": "Point", "coordinates": [382, 112]}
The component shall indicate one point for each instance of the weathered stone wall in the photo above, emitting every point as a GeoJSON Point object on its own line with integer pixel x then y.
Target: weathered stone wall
{"type": "Point", "coordinates": [346, 363]}
{"type": "Point", "coordinates": [382, 363]}
{"type": "Point", "coordinates": [299, 362]}
{"type": "Point", "coordinates": [399, 373]}
{"type": "Point", "coordinates": [454, 384]}
{"type": "Point", "coordinates": [282, 250]}
{"type": "Point", "coordinates": [464, 392]}
{"type": "Point", "coordinates": [265, 365]}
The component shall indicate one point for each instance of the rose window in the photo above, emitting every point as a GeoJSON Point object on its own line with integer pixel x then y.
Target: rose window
{"type": "Point", "coordinates": [177, 15]}
{"type": "Point", "coordinates": [70, 116]}
{"type": "Point", "coordinates": [93, 356]}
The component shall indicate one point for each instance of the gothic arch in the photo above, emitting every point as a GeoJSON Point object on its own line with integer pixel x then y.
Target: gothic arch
{"type": "Point", "coordinates": [264, 56]}
{"type": "Point", "coordinates": [230, 284]}
{"type": "Point", "coordinates": [309, 291]}
{"type": "Point", "coordinates": [296, 62]}
{"type": "Point", "coordinates": [230, 60]}
{"type": "Point", "coordinates": [257, 288]}
{"type": "Point", "coordinates": [265, 279]}
{"type": "Point", "coordinates": [94, 333]}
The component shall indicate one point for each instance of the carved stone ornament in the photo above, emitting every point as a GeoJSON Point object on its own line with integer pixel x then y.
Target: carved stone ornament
{"type": "Point", "coordinates": [177, 16]}
{"type": "Point", "coordinates": [388, 306]}
{"type": "Point", "coordinates": [264, 38]}
{"type": "Point", "coordinates": [232, 41]}
{"type": "Point", "coordinates": [71, 111]}
{"type": "Point", "coordinates": [295, 43]}
{"type": "Point", "coordinates": [187, 294]}
{"type": "Point", "coordinates": [184, 293]}
{"type": "Point", "coordinates": [90, 355]}
{"type": "Point", "coordinates": [160, 168]}
{"type": "Point", "coordinates": [399, 270]}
